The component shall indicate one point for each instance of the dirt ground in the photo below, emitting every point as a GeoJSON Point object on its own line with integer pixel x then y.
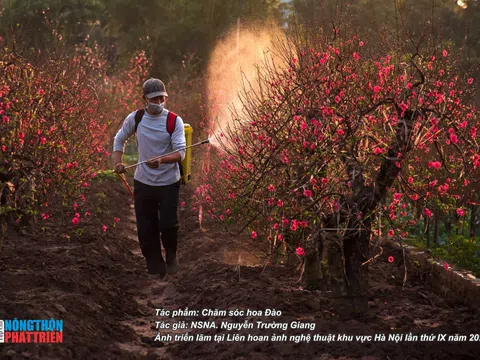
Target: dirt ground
{"type": "Point", "coordinates": [97, 284]}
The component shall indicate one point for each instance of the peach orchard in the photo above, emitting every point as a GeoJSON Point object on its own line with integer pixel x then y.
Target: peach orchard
{"type": "Point", "coordinates": [341, 144]}
{"type": "Point", "coordinates": [57, 118]}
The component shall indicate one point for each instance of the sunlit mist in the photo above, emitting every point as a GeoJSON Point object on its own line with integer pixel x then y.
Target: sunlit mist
{"type": "Point", "coordinates": [233, 69]}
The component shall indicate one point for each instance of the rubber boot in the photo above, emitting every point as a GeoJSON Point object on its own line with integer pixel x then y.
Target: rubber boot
{"type": "Point", "coordinates": [156, 265]}
{"type": "Point", "coordinates": [170, 242]}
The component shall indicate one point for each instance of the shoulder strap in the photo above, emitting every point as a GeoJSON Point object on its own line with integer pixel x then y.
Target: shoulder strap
{"type": "Point", "coordinates": [171, 122]}
{"type": "Point", "coordinates": [138, 117]}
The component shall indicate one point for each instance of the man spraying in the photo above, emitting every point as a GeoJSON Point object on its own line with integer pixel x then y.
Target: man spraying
{"type": "Point", "coordinates": [156, 182]}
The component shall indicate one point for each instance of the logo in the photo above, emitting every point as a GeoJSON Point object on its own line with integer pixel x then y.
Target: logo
{"type": "Point", "coordinates": [2, 332]}
{"type": "Point", "coordinates": [31, 331]}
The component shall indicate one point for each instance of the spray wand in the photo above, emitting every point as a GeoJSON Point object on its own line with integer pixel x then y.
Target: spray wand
{"type": "Point", "coordinates": [155, 158]}
{"type": "Point", "coordinates": [173, 152]}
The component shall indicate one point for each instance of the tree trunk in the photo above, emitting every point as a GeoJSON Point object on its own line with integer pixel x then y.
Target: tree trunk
{"type": "Point", "coordinates": [448, 225]}
{"type": "Point", "coordinates": [435, 229]}
{"type": "Point", "coordinates": [356, 246]}
{"type": "Point", "coordinates": [314, 274]}
{"type": "Point", "coordinates": [473, 219]}
{"type": "Point", "coordinates": [348, 279]}
{"type": "Point", "coordinates": [336, 273]}
{"type": "Point", "coordinates": [427, 230]}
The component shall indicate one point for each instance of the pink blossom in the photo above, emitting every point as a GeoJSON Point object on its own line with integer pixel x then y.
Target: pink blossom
{"type": "Point", "coordinates": [410, 180]}
{"type": "Point", "coordinates": [294, 225]}
{"type": "Point", "coordinates": [85, 184]}
{"type": "Point", "coordinates": [391, 259]}
{"type": "Point", "coordinates": [43, 140]}
{"type": "Point", "coordinates": [340, 132]}
{"type": "Point", "coordinates": [444, 52]}
{"type": "Point", "coordinates": [361, 43]}
{"type": "Point", "coordinates": [460, 212]}
{"type": "Point", "coordinates": [280, 203]}
{"type": "Point", "coordinates": [75, 220]}
{"type": "Point", "coordinates": [87, 214]}
{"type": "Point", "coordinates": [356, 56]}
{"type": "Point", "coordinates": [275, 226]}
{"type": "Point", "coordinates": [470, 81]}
{"type": "Point", "coordinates": [446, 266]}
{"type": "Point", "coordinates": [337, 99]}
{"type": "Point", "coordinates": [307, 193]}
{"type": "Point", "coordinates": [377, 88]}
{"type": "Point", "coordinates": [271, 188]}
{"type": "Point", "coordinates": [378, 151]}
{"type": "Point", "coordinates": [434, 164]}
{"type": "Point", "coordinates": [397, 196]}
{"type": "Point", "coordinates": [299, 251]}
{"type": "Point", "coordinates": [391, 233]}
{"type": "Point", "coordinates": [116, 220]}
{"type": "Point", "coordinates": [104, 228]}
{"type": "Point", "coordinates": [427, 212]}
{"type": "Point", "coordinates": [254, 234]}
{"type": "Point", "coordinates": [453, 138]}
{"type": "Point", "coordinates": [280, 237]}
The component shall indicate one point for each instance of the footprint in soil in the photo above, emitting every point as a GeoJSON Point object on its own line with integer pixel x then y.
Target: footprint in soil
{"type": "Point", "coordinates": [149, 341]}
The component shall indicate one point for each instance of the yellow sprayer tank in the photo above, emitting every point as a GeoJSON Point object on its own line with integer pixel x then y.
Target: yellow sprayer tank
{"type": "Point", "coordinates": [187, 162]}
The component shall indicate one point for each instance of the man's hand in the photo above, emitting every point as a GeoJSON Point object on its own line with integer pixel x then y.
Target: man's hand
{"type": "Point", "coordinates": [119, 168]}
{"type": "Point", "coordinates": [153, 164]}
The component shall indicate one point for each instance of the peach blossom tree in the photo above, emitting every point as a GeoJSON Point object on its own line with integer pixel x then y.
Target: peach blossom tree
{"type": "Point", "coordinates": [56, 122]}
{"type": "Point", "coordinates": [325, 152]}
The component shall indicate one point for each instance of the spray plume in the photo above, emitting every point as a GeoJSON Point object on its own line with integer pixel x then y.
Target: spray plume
{"type": "Point", "coordinates": [233, 69]}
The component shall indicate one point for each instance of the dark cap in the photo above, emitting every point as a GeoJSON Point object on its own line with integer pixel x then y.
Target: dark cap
{"type": "Point", "coordinates": [153, 88]}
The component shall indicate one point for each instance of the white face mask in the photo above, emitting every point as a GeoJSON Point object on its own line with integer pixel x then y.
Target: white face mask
{"type": "Point", "coordinates": [156, 108]}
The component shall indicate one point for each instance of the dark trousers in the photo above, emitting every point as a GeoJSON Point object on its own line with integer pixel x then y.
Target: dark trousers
{"type": "Point", "coordinates": [156, 210]}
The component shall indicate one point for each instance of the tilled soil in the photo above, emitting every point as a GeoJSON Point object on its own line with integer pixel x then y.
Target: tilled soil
{"type": "Point", "coordinates": [98, 286]}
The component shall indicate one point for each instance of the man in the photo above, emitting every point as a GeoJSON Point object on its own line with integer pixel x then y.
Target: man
{"type": "Point", "coordinates": [156, 183]}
